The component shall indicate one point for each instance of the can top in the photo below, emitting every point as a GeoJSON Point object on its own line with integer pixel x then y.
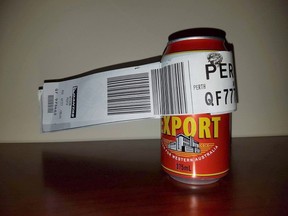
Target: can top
{"type": "Point", "coordinates": [198, 32]}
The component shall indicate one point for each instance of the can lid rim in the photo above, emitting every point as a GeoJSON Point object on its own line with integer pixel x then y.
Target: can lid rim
{"type": "Point", "coordinates": [197, 32]}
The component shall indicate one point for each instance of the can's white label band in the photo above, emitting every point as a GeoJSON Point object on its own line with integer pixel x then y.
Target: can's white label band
{"type": "Point", "coordinates": [186, 83]}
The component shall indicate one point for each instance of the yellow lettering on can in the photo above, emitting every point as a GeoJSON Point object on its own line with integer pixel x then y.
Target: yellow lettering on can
{"type": "Point", "coordinates": [189, 127]}
{"type": "Point", "coordinates": [165, 125]}
{"type": "Point", "coordinates": [175, 124]}
{"type": "Point", "coordinates": [204, 124]}
{"type": "Point", "coordinates": [215, 121]}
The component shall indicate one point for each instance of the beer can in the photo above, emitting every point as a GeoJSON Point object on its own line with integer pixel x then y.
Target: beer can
{"type": "Point", "coordinates": [195, 148]}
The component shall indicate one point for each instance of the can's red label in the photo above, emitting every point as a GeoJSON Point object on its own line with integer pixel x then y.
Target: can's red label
{"type": "Point", "coordinates": [196, 146]}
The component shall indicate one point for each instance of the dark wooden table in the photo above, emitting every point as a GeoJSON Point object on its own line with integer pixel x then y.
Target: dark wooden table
{"type": "Point", "coordinates": [125, 178]}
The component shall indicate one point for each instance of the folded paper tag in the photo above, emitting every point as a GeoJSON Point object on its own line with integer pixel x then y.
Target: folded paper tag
{"type": "Point", "coordinates": [190, 83]}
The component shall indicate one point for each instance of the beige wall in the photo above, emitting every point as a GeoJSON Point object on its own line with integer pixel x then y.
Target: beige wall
{"type": "Point", "coordinates": [42, 39]}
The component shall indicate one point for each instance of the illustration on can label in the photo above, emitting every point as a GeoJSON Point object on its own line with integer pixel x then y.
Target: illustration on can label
{"type": "Point", "coordinates": [195, 146]}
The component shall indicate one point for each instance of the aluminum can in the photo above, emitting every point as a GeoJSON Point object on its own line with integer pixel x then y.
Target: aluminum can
{"type": "Point", "coordinates": [195, 149]}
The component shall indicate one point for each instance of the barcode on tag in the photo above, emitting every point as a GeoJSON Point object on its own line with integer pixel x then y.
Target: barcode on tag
{"type": "Point", "coordinates": [50, 106]}
{"type": "Point", "coordinates": [128, 94]}
{"type": "Point", "coordinates": [168, 87]}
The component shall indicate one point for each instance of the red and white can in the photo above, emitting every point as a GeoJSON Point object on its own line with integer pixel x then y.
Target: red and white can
{"type": "Point", "coordinates": [195, 148]}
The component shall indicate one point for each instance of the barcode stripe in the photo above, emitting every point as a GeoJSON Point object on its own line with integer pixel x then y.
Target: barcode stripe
{"type": "Point", "coordinates": [127, 99]}
{"type": "Point", "coordinates": [131, 93]}
{"type": "Point", "coordinates": [168, 87]}
{"type": "Point", "coordinates": [128, 94]}
{"type": "Point", "coordinates": [50, 104]}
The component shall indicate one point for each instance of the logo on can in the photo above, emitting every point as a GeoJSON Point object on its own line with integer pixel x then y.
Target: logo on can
{"type": "Point", "coordinates": [195, 147]}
